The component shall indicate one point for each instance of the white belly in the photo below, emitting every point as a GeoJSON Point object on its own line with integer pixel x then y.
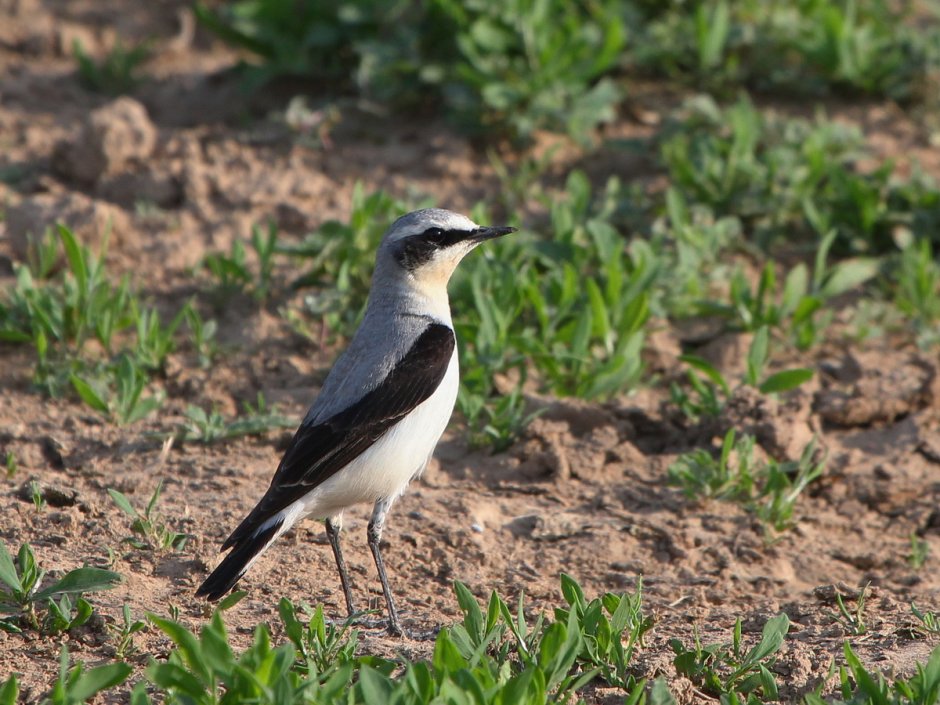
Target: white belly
{"type": "Point", "coordinates": [384, 470]}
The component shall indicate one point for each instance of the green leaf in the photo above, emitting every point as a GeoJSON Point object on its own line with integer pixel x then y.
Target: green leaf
{"type": "Point", "coordinates": [848, 274]}
{"type": "Point", "coordinates": [8, 573]}
{"type": "Point", "coordinates": [234, 598]}
{"type": "Point", "coordinates": [707, 369]}
{"type": "Point", "coordinates": [620, 618]}
{"type": "Point", "coordinates": [473, 616]}
{"type": "Point", "coordinates": [376, 689]}
{"type": "Point", "coordinates": [772, 636]}
{"type": "Point", "coordinates": [786, 380]}
{"type": "Point", "coordinates": [215, 651]}
{"type": "Point", "coordinates": [712, 33]}
{"type": "Point", "coordinates": [660, 693]}
{"type": "Point", "coordinates": [171, 676]}
{"type": "Point", "coordinates": [794, 289]}
{"type": "Point", "coordinates": [187, 643]}
{"type": "Point", "coordinates": [81, 580]}
{"type": "Point", "coordinates": [143, 408]}
{"type": "Point", "coordinates": [9, 691]}
{"type": "Point", "coordinates": [600, 319]}
{"type": "Point", "coordinates": [572, 592]}
{"type": "Point", "coordinates": [75, 256]}
{"type": "Point", "coordinates": [447, 657]}
{"type": "Point", "coordinates": [97, 679]}
{"type": "Point", "coordinates": [123, 503]}
{"type": "Point", "coordinates": [88, 394]}
{"type": "Point", "coordinates": [757, 355]}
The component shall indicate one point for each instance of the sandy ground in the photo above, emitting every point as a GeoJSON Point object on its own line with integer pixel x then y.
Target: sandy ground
{"type": "Point", "coordinates": [188, 165]}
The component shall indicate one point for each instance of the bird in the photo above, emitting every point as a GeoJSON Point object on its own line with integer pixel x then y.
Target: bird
{"type": "Point", "coordinates": [381, 410]}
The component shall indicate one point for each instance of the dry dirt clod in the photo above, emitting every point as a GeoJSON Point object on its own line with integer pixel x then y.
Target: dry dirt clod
{"type": "Point", "coordinates": [728, 353]}
{"type": "Point", "coordinates": [783, 429]}
{"type": "Point", "coordinates": [54, 495]}
{"type": "Point", "coordinates": [112, 137]}
{"type": "Point", "coordinates": [890, 385]}
{"type": "Point", "coordinates": [89, 220]}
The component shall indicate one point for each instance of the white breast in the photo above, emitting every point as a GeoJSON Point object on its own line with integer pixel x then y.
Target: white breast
{"type": "Point", "coordinates": [384, 470]}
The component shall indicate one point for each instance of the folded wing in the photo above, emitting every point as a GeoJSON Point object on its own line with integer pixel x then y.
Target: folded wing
{"type": "Point", "coordinates": [319, 450]}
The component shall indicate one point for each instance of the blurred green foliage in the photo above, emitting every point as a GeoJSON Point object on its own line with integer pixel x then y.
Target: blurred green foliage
{"type": "Point", "coordinates": [515, 66]}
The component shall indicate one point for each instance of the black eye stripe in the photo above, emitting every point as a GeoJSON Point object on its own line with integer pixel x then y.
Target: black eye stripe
{"type": "Point", "coordinates": [444, 238]}
{"type": "Point", "coordinates": [416, 250]}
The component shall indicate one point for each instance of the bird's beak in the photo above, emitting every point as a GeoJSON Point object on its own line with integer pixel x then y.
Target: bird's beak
{"type": "Point", "coordinates": [482, 234]}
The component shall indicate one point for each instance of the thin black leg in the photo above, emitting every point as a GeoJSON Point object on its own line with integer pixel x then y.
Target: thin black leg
{"type": "Point", "coordinates": [374, 534]}
{"type": "Point", "coordinates": [332, 533]}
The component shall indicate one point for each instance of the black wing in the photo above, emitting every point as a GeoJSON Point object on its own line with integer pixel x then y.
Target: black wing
{"type": "Point", "coordinates": [318, 451]}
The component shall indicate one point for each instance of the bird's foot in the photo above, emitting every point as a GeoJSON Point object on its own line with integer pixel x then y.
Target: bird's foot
{"type": "Point", "coordinates": [394, 628]}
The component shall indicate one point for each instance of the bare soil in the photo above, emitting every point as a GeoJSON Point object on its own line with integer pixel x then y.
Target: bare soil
{"type": "Point", "coordinates": [190, 163]}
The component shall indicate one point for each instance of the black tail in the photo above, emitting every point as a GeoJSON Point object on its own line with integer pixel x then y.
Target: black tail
{"type": "Point", "coordinates": [234, 565]}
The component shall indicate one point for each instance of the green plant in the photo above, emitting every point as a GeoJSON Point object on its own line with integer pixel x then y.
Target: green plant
{"type": "Point", "coordinates": [783, 485]}
{"type": "Point", "coordinates": [694, 242]}
{"type": "Point", "coordinates": [76, 685]}
{"type": "Point", "coordinates": [525, 65]}
{"type": "Point", "coordinates": [35, 492]}
{"type": "Point", "coordinates": [727, 670]}
{"type": "Point", "coordinates": [509, 67]}
{"type": "Point", "coordinates": [535, 664]}
{"type": "Point", "coordinates": [383, 49]}
{"type": "Point", "coordinates": [62, 317]}
{"type": "Point", "coordinates": [117, 72]}
{"type": "Point", "coordinates": [603, 646]}
{"type": "Point", "coordinates": [574, 304]}
{"type": "Point", "coordinates": [806, 48]}
{"type": "Point", "coordinates": [209, 427]}
{"type": "Point", "coordinates": [117, 391]}
{"type": "Point", "coordinates": [49, 609]}
{"type": "Point", "coordinates": [852, 621]}
{"type": "Point", "coordinates": [124, 633]}
{"type": "Point", "coordinates": [155, 341]}
{"type": "Point", "coordinates": [233, 272]}
{"type": "Point", "coordinates": [202, 335]}
{"type": "Point", "coordinates": [9, 691]}
{"type": "Point", "coordinates": [859, 685]}
{"type": "Point", "coordinates": [917, 288]}
{"type": "Point", "coordinates": [546, 649]}
{"type": "Point", "coordinates": [200, 667]}
{"type": "Point", "coordinates": [567, 312]}
{"type": "Point", "coordinates": [150, 526]}
{"type": "Point", "coordinates": [521, 180]}
{"type": "Point", "coordinates": [321, 648]}
{"type": "Point", "coordinates": [710, 391]}
{"type": "Point", "coordinates": [768, 489]}
{"type": "Point", "coordinates": [495, 422]}
{"type": "Point", "coordinates": [10, 462]}
{"type": "Point", "coordinates": [700, 475]}
{"type": "Point", "coordinates": [59, 318]}
{"type": "Point", "coordinates": [929, 622]}
{"type": "Point", "coordinates": [920, 549]}
{"type": "Point", "coordinates": [42, 253]}
{"type": "Point", "coordinates": [789, 179]}
{"type": "Point", "coordinates": [796, 305]}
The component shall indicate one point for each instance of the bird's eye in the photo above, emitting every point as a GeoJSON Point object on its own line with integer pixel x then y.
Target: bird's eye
{"type": "Point", "coordinates": [434, 235]}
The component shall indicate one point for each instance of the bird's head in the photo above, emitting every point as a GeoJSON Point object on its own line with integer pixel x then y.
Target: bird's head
{"type": "Point", "coordinates": [427, 245]}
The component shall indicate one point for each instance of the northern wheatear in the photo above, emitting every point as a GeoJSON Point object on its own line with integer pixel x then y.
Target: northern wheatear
{"type": "Point", "coordinates": [382, 408]}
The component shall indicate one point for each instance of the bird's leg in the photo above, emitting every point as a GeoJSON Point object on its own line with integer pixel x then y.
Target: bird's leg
{"type": "Point", "coordinates": [374, 533]}
{"type": "Point", "coordinates": [333, 527]}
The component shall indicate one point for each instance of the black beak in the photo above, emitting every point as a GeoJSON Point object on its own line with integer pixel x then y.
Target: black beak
{"type": "Point", "coordinates": [481, 234]}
